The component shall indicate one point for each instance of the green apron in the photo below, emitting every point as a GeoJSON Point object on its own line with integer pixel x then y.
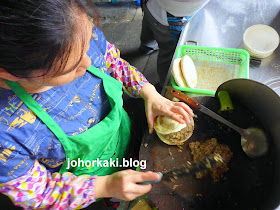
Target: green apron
{"type": "Point", "coordinates": [109, 139]}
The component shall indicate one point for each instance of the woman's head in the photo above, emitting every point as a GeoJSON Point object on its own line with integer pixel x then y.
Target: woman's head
{"type": "Point", "coordinates": [39, 36]}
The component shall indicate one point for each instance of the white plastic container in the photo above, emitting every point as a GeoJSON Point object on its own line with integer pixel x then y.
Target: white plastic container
{"type": "Point", "coordinates": [260, 40]}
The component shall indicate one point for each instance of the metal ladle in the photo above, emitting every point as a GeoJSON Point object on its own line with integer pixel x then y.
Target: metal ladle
{"type": "Point", "coordinates": [253, 140]}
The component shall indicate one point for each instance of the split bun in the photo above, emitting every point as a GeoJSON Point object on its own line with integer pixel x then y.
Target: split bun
{"type": "Point", "coordinates": [184, 72]}
{"type": "Point", "coordinates": [172, 132]}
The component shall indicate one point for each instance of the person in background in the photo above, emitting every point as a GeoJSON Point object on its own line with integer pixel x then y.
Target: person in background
{"type": "Point", "coordinates": [61, 86]}
{"type": "Point", "coordinates": [162, 24]}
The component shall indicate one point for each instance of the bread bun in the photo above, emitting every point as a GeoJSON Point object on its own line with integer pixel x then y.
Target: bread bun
{"type": "Point", "coordinates": [166, 125]}
{"type": "Point", "coordinates": [188, 71]}
{"type": "Point", "coordinates": [177, 73]}
{"type": "Point", "coordinates": [172, 132]}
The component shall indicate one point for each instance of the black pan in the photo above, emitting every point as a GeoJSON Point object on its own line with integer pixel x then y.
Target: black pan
{"type": "Point", "coordinates": [247, 185]}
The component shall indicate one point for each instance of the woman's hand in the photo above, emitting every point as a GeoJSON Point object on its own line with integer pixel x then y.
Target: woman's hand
{"type": "Point", "coordinates": [156, 104]}
{"type": "Point", "coordinates": [123, 185]}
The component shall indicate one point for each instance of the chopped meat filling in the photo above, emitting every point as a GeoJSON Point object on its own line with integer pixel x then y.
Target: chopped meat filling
{"type": "Point", "coordinates": [179, 135]}
{"type": "Point", "coordinates": [201, 150]}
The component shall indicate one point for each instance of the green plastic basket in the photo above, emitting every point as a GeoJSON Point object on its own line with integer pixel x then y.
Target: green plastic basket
{"type": "Point", "coordinates": [214, 66]}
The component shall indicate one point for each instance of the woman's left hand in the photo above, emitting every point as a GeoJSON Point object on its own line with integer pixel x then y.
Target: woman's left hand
{"type": "Point", "coordinates": [156, 104]}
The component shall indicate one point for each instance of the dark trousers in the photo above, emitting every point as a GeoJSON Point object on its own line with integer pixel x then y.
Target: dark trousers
{"type": "Point", "coordinates": [154, 33]}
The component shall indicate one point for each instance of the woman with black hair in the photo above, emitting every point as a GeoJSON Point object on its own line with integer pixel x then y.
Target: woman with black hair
{"type": "Point", "coordinates": [61, 86]}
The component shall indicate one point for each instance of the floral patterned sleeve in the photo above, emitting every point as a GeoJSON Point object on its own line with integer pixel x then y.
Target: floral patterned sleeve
{"type": "Point", "coordinates": [39, 188]}
{"type": "Point", "coordinates": [132, 79]}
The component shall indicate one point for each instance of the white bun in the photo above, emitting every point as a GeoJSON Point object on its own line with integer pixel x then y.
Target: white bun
{"type": "Point", "coordinates": [189, 71]}
{"type": "Point", "coordinates": [177, 73]}
{"type": "Point", "coordinates": [187, 134]}
{"type": "Point", "coordinates": [165, 125]}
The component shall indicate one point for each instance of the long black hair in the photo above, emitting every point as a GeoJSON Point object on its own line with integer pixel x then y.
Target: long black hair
{"type": "Point", "coordinates": [37, 34]}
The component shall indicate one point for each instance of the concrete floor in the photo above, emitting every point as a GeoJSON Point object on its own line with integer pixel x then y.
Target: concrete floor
{"type": "Point", "coordinates": [121, 24]}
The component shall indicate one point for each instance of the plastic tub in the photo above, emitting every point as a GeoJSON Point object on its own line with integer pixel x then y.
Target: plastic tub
{"type": "Point", "coordinates": [260, 40]}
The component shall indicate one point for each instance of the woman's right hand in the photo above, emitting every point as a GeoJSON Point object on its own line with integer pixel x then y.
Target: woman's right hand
{"type": "Point", "coordinates": [123, 185]}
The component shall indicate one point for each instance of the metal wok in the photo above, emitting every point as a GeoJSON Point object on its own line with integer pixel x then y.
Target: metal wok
{"type": "Point", "coordinates": [250, 183]}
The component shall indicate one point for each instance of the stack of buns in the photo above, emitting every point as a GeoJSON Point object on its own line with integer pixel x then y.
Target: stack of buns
{"type": "Point", "coordinates": [172, 132]}
{"type": "Point", "coordinates": [184, 72]}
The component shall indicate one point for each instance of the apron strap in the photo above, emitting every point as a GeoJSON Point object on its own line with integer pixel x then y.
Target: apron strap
{"type": "Point", "coordinates": [36, 108]}
{"type": "Point", "coordinates": [97, 72]}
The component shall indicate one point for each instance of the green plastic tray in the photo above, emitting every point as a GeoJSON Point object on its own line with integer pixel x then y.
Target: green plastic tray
{"type": "Point", "coordinates": [214, 66]}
